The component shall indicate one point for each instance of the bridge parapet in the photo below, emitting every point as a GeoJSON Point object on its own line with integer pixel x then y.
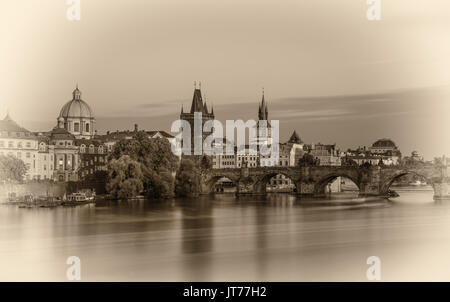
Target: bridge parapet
{"type": "Point", "coordinates": [312, 180]}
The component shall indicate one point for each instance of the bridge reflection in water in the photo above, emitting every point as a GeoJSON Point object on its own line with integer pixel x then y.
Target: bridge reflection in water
{"type": "Point", "coordinates": [312, 181]}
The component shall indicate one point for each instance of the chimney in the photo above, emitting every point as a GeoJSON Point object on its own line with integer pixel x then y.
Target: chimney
{"type": "Point", "coordinates": [135, 127]}
{"type": "Point", "coordinates": [107, 132]}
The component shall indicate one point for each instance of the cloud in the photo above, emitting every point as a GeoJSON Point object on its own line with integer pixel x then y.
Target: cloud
{"type": "Point", "coordinates": [307, 114]}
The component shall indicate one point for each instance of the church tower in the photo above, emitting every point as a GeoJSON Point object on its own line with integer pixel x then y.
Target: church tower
{"type": "Point", "coordinates": [263, 115]}
{"type": "Point", "coordinates": [197, 106]}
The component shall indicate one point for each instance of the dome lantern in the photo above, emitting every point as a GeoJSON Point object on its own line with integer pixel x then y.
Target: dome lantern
{"type": "Point", "coordinates": [76, 94]}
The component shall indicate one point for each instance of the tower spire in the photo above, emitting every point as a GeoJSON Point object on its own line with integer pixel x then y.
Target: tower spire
{"type": "Point", "coordinates": [263, 113]}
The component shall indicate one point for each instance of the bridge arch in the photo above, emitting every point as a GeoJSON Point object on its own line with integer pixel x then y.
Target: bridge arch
{"type": "Point", "coordinates": [398, 174]}
{"type": "Point", "coordinates": [209, 184]}
{"type": "Point", "coordinates": [262, 182]}
{"type": "Point", "coordinates": [319, 187]}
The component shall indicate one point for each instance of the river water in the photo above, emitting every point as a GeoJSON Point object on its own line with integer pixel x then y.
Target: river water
{"type": "Point", "coordinates": [221, 238]}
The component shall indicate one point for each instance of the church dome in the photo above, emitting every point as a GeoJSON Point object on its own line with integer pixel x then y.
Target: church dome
{"type": "Point", "coordinates": [384, 143]}
{"type": "Point", "coordinates": [76, 107]}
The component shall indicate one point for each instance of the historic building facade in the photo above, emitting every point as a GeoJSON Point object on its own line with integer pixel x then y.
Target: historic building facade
{"type": "Point", "coordinates": [71, 151]}
{"type": "Point", "coordinates": [383, 151]}
{"type": "Point", "coordinates": [19, 142]}
{"type": "Point", "coordinates": [77, 117]}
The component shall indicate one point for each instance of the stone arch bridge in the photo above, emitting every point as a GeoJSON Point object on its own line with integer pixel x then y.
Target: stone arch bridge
{"type": "Point", "coordinates": [371, 181]}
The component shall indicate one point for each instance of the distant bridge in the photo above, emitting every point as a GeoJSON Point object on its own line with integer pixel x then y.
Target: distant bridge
{"type": "Point", "coordinates": [312, 181]}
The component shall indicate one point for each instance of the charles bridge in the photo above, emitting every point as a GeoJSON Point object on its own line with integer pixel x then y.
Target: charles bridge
{"type": "Point", "coordinates": [312, 180]}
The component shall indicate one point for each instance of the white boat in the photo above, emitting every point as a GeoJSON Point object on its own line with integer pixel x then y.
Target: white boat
{"type": "Point", "coordinates": [78, 198]}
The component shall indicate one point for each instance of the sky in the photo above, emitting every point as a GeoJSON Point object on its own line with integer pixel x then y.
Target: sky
{"type": "Point", "coordinates": [327, 72]}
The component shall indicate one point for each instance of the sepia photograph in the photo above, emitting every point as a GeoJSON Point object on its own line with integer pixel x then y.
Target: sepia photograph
{"type": "Point", "coordinates": [201, 142]}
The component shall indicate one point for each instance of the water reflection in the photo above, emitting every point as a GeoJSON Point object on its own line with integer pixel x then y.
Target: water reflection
{"type": "Point", "coordinates": [217, 238]}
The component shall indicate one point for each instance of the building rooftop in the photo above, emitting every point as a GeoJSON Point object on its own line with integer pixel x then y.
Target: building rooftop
{"type": "Point", "coordinates": [9, 128]}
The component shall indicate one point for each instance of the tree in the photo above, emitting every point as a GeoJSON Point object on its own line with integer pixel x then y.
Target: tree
{"type": "Point", "coordinates": [12, 168]}
{"type": "Point", "coordinates": [187, 181]}
{"type": "Point", "coordinates": [124, 177]}
{"type": "Point", "coordinates": [347, 161]}
{"type": "Point", "coordinates": [98, 176]}
{"type": "Point", "coordinates": [367, 164]}
{"type": "Point", "coordinates": [206, 163]}
{"type": "Point", "coordinates": [308, 160]}
{"type": "Point", "coordinates": [156, 159]}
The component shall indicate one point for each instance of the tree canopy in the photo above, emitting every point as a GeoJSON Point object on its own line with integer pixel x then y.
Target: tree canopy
{"type": "Point", "coordinates": [347, 161]}
{"type": "Point", "coordinates": [187, 180]}
{"type": "Point", "coordinates": [125, 178]}
{"type": "Point", "coordinates": [157, 161]}
{"type": "Point", "coordinates": [308, 160]}
{"type": "Point", "coordinates": [12, 168]}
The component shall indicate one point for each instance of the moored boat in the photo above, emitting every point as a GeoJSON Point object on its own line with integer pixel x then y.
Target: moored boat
{"type": "Point", "coordinates": [78, 199]}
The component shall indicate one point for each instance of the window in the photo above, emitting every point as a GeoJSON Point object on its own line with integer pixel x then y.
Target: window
{"type": "Point", "coordinates": [2, 144]}
{"type": "Point", "coordinates": [87, 127]}
{"type": "Point", "coordinates": [19, 145]}
{"type": "Point", "coordinates": [19, 155]}
{"type": "Point", "coordinates": [10, 145]}
{"type": "Point", "coordinates": [28, 155]}
{"type": "Point", "coordinates": [28, 145]}
{"type": "Point", "coordinates": [76, 127]}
